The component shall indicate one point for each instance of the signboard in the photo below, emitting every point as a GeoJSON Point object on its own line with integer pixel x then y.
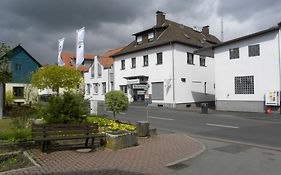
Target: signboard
{"type": "Point", "coordinates": [139, 86]}
{"type": "Point", "coordinates": [272, 98]}
{"type": "Point", "coordinates": [140, 92]}
{"type": "Point", "coordinates": [133, 81]}
{"type": "Point", "coordinates": [148, 98]}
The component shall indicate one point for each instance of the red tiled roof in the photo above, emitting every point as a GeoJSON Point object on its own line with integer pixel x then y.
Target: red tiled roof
{"type": "Point", "coordinates": [67, 59]}
{"type": "Point", "coordinates": [106, 60]}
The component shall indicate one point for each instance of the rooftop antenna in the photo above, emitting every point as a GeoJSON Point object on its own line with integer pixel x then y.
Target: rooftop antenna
{"type": "Point", "coordinates": [222, 29]}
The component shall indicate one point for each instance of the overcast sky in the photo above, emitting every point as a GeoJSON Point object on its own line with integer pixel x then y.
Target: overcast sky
{"type": "Point", "coordinates": [38, 24]}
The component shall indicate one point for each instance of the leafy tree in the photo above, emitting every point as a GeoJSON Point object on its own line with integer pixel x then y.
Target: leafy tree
{"type": "Point", "coordinates": [116, 101]}
{"type": "Point", "coordinates": [55, 77]}
{"type": "Point", "coordinates": [69, 108]}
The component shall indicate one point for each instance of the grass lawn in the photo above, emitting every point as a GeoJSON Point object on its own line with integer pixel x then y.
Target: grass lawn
{"type": "Point", "coordinates": [5, 124]}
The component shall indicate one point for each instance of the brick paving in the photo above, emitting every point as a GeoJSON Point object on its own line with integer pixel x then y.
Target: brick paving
{"type": "Point", "coordinates": [149, 157]}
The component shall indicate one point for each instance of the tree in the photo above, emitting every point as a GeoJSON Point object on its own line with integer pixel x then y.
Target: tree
{"type": "Point", "coordinates": [116, 101]}
{"type": "Point", "coordinates": [5, 73]}
{"type": "Point", "coordinates": [55, 77]}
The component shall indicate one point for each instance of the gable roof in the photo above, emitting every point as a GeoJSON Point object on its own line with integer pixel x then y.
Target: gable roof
{"type": "Point", "coordinates": [20, 47]}
{"type": "Point", "coordinates": [171, 32]}
{"type": "Point", "coordinates": [106, 60]}
{"type": "Point", "coordinates": [66, 58]}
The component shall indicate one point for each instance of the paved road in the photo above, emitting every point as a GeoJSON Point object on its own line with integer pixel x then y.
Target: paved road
{"type": "Point", "coordinates": [243, 127]}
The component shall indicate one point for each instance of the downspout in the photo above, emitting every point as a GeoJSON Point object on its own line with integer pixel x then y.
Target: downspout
{"type": "Point", "coordinates": [173, 69]}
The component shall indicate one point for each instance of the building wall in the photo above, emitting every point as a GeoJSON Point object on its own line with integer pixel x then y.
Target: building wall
{"type": "Point", "coordinates": [28, 66]}
{"type": "Point", "coordinates": [104, 78]}
{"type": "Point", "coordinates": [156, 73]}
{"type": "Point", "coordinates": [264, 68]}
{"type": "Point", "coordinates": [193, 90]}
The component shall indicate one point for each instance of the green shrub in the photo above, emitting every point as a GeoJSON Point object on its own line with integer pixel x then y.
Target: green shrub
{"type": "Point", "coordinates": [69, 108]}
{"type": "Point", "coordinates": [116, 101]}
{"type": "Point", "coordinates": [9, 98]}
{"type": "Point", "coordinates": [16, 134]}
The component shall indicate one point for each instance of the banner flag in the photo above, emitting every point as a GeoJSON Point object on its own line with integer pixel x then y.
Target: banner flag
{"type": "Point", "coordinates": [60, 47]}
{"type": "Point", "coordinates": [80, 34]}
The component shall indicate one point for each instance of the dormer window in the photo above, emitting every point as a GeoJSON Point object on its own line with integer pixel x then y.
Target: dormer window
{"type": "Point", "coordinates": [150, 36]}
{"type": "Point", "coordinates": [139, 39]}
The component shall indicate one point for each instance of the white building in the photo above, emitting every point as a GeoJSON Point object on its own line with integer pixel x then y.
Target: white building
{"type": "Point", "coordinates": [247, 68]}
{"type": "Point", "coordinates": [99, 79]}
{"type": "Point", "coordinates": [162, 59]}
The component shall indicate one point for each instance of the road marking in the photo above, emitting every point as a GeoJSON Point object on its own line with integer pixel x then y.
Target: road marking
{"type": "Point", "coordinates": [224, 126]}
{"type": "Point", "coordinates": [160, 118]}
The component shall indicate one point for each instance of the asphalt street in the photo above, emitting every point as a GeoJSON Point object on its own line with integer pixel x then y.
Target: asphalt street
{"type": "Point", "coordinates": [253, 128]}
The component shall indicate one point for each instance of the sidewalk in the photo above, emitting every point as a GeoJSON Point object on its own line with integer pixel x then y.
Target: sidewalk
{"type": "Point", "coordinates": [150, 157]}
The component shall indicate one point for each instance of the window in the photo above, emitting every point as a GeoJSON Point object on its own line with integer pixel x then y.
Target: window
{"type": "Point", "coordinates": [190, 59]}
{"type": "Point", "coordinates": [139, 39]}
{"type": "Point", "coordinates": [145, 60]}
{"type": "Point", "coordinates": [254, 50]}
{"type": "Point", "coordinates": [151, 36]}
{"type": "Point", "coordinates": [244, 85]}
{"type": "Point", "coordinates": [96, 88]}
{"type": "Point", "coordinates": [157, 91]}
{"type": "Point", "coordinates": [123, 88]}
{"type": "Point", "coordinates": [183, 80]}
{"type": "Point", "coordinates": [112, 85]}
{"type": "Point", "coordinates": [88, 89]}
{"type": "Point", "coordinates": [93, 70]}
{"type": "Point", "coordinates": [159, 58]}
{"type": "Point", "coordinates": [18, 66]}
{"type": "Point", "coordinates": [205, 88]}
{"type": "Point", "coordinates": [18, 92]}
{"type": "Point", "coordinates": [104, 87]}
{"type": "Point", "coordinates": [202, 61]}
{"type": "Point", "coordinates": [122, 64]}
{"type": "Point", "coordinates": [99, 70]}
{"type": "Point", "coordinates": [133, 62]}
{"type": "Point", "coordinates": [234, 53]}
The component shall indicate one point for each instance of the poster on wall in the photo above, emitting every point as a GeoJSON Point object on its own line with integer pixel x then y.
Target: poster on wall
{"type": "Point", "coordinates": [272, 98]}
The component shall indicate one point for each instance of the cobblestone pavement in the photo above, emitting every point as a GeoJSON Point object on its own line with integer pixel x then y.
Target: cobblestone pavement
{"type": "Point", "coordinates": [149, 157]}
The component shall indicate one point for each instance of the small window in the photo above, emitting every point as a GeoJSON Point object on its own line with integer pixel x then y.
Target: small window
{"type": "Point", "coordinates": [254, 50]}
{"type": "Point", "coordinates": [123, 88]}
{"type": "Point", "coordinates": [122, 64]}
{"type": "Point", "coordinates": [96, 88]}
{"type": "Point", "coordinates": [18, 92]}
{"type": "Point", "coordinates": [18, 66]}
{"type": "Point", "coordinates": [234, 53]}
{"type": "Point", "coordinates": [205, 88]}
{"type": "Point", "coordinates": [104, 87]}
{"type": "Point", "coordinates": [202, 61]}
{"type": "Point", "coordinates": [99, 70]}
{"type": "Point", "coordinates": [112, 85]}
{"type": "Point", "coordinates": [145, 60]}
{"type": "Point", "coordinates": [183, 80]}
{"type": "Point", "coordinates": [133, 62]}
{"type": "Point", "coordinates": [88, 89]}
{"type": "Point", "coordinates": [159, 58]}
{"type": "Point", "coordinates": [139, 39]}
{"type": "Point", "coordinates": [151, 36]}
{"type": "Point", "coordinates": [93, 70]}
{"type": "Point", "coordinates": [190, 59]}
{"type": "Point", "coordinates": [244, 85]}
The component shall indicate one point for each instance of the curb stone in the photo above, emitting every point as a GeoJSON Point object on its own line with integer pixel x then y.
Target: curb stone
{"type": "Point", "coordinates": [191, 156]}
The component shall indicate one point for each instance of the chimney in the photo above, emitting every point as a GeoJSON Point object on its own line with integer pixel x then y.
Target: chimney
{"type": "Point", "coordinates": [160, 18]}
{"type": "Point", "coordinates": [205, 30]}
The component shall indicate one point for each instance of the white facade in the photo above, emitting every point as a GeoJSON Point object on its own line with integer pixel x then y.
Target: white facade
{"type": "Point", "coordinates": [182, 82]}
{"type": "Point", "coordinates": [265, 70]}
{"type": "Point", "coordinates": [97, 81]}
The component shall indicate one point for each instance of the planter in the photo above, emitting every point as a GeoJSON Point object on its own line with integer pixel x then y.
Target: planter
{"type": "Point", "coordinates": [120, 139]}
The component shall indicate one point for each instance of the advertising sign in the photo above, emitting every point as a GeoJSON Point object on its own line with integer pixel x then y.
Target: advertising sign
{"type": "Point", "coordinates": [272, 98]}
{"type": "Point", "coordinates": [133, 81]}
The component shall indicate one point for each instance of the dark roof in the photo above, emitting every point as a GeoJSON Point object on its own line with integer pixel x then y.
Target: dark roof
{"type": "Point", "coordinates": [19, 46]}
{"type": "Point", "coordinates": [274, 28]}
{"type": "Point", "coordinates": [172, 32]}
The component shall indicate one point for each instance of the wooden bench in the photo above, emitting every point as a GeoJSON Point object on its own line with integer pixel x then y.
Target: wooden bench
{"type": "Point", "coordinates": [51, 132]}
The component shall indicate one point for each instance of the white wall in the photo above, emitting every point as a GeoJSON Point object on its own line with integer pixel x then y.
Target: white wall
{"type": "Point", "coordinates": [265, 68]}
{"type": "Point", "coordinates": [156, 73]}
{"type": "Point", "coordinates": [104, 78]}
{"type": "Point", "coordinates": [193, 89]}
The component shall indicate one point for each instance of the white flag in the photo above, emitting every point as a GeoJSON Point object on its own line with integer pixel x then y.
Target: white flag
{"type": "Point", "coordinates": [80, 46]}
{"type": "Point", "coordinates": [60, 47]}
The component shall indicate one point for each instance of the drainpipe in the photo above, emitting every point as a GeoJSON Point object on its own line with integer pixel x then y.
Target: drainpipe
{"type": "Point", "coordinates": [279, 57]}
{"type": "Point", "coordinates": [173, 69]}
